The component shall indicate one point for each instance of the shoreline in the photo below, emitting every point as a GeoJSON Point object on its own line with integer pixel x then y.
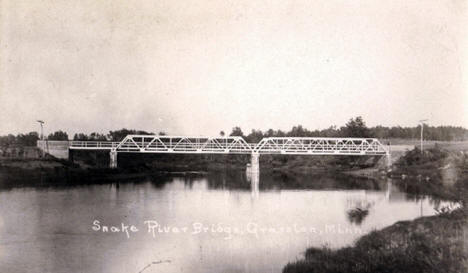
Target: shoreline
{"type": "Point", "coordinates": [419, 245]}
{"type": "Point", "coordinates": [61, 168]}
{"type": "Point", "coordinates": [436, 243]}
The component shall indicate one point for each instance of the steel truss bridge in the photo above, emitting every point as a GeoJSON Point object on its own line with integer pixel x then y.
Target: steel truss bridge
{"type": "Point", "coordinates": [235, 145]}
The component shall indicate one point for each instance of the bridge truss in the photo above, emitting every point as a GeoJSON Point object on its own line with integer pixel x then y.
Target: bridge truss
{"type": "Point", "coordinates": [320, 146]}
{"type": "Point", "coordinates": [183, 144]}
{"type": "Point", "coordinates": [237, 145]}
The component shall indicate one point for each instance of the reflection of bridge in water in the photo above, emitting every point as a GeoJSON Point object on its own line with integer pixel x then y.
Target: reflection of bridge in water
{"type": "Point", "coordinates": [367, 199]}
{"type": "Point", "coordinates": [235, 145]}
{"type": "Point", "coordinates": [363, 197]}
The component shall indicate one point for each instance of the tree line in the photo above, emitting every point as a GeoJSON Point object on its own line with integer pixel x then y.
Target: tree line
{"type": "Point", "coordinates": [355, 127]}
{"type": "Point", "coordinates": [30, 139]}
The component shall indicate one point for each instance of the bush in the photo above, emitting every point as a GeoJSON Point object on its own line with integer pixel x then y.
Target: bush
{"type": "Point", "coordinates": [415, 157]}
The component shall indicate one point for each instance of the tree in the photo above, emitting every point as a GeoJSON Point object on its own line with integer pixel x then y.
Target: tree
{"type": "Point", "coordinates": [119, 135]}
{"type": "Point", "coordinates": [58, 135]}
{"type": "Point", "coordinates": [270, 133]}
{"type": "Point", "coordinates": [80, 136]}
{"type": "Point", "coordinates": [330, 132]}
{"type": "Point", "coordinates": [356, 128]}
{"type": "Point", "coordinates": [8, 140]}
{"type": "Point", "coordinates": [380, 131]}
{"type": "Point", "coordinates": [237, 131]}
{"type": "Point", "coordinates": [280, 133]}
{"type": "Point", "coordinates": [92, 137]}
{"type": "Point", "coordinates": [298, 131]}
{"type": "Point", "coordinates": [97, 137]}
{"type": "Point", "coordinates": [29, 139]}
{"type": "Point", "coordinates": [255, 136]}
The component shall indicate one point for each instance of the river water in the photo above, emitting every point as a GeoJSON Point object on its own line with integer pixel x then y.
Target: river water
{"type": "Point", "coordinates": [219, 222]}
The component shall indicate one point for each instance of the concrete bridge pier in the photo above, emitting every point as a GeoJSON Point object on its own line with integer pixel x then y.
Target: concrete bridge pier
{"type": "Point", "coordinates": [255, 163]}
{"type": "Point", "coordinates": [113, 159]}
{"type": "Point", "coordinates": [253, 174]}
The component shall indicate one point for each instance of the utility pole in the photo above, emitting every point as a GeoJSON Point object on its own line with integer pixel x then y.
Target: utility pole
{"type": "Point", "coordinates": [42, 138]}
{"type": "Point", "coordinates": [422, 133]}
{"type": "Point", "coordinates": [42, 129]}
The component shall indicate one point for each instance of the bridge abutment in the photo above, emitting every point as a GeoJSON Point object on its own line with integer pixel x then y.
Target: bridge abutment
{"type": "Point", "coordinates": [113, 159]}
{"type": "Point", "coordinates": [70, 155]}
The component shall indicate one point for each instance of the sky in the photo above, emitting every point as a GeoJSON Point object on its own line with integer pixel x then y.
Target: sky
{"type": "Point", "coordinates": [196, 67]}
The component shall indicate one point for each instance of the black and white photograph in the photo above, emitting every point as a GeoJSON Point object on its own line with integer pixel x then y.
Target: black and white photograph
{"type": "Point", "coordinates": [233, 136]}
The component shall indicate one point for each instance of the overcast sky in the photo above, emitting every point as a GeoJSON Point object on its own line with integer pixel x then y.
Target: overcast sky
{"type": "Point", "coordinates": [196, 67]}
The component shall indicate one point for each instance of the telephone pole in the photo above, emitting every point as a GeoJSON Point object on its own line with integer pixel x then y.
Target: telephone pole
{"type": "Point", "coordinates": [42, 129]}
{"type": "Point", "coordinates": [422, 133]}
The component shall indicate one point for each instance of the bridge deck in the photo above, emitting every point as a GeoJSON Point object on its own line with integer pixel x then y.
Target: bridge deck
{"type": "Point", "coordinates": [237, 145]}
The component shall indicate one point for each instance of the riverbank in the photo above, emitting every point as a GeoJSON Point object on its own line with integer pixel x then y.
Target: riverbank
{"type": "Point", "coordinates": [56, 172]}
{"type": "Point", "coordinates": [147, 163]}
{"type": "Point", "coordinates": [50, 171]}
{"type": "Point", "coordinates": [428, 244]}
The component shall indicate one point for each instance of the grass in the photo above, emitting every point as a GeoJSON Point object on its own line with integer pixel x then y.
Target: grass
{"type": "Point", "coordinates": [428, 244]}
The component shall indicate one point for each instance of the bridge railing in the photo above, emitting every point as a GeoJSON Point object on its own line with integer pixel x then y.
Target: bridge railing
{"type": "Point", "coordinates": [93, 145]}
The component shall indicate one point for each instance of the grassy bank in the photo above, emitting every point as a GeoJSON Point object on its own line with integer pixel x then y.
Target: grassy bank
{"type": "Point", "coordinates": [428, 244]}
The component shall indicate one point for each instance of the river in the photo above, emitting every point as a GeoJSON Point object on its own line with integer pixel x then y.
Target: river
{"type": "Point", "coordinates": [217, 222]}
